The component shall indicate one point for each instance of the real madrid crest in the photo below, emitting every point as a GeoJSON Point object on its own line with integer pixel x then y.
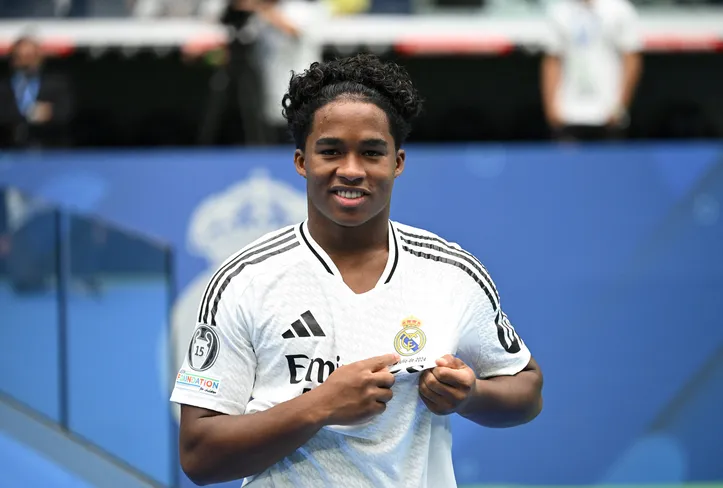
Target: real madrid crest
{"type": "Point", "coordinates": [411, 339]}
{"type": "Point", "coordinates": [203, 350]}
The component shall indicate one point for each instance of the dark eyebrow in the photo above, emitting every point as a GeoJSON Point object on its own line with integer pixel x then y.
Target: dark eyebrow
{"type": "Point", "coordinates": [381, 143]}
{"type": "Point", "coordinates": [328, 141]}
{"type": "Point", "coordinates": [335, 141]}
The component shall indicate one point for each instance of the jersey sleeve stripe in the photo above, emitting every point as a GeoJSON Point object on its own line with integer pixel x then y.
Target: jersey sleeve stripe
{"type": "Point", "coordinates": [494, 298]}
{"type": "Point", "coordinates": [235, 272]}
{"type": "Point", "coordinates": [441, 259]}
{"type": "Point", "coordinates": [507, 335]}
{"type": "Point", "coordinates": [242, 254]}
{"type": "Point", "coordinates": [214, 284]}
{"type": "Point", "coordinates": [481, 268]}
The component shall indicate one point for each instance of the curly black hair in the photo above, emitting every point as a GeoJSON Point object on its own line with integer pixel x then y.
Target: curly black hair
{"type": "Point", "coordinates": [363, 77]}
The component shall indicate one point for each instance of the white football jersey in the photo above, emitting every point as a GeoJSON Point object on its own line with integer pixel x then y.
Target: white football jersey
{"type": "Point", "coordinates": [277, 319]}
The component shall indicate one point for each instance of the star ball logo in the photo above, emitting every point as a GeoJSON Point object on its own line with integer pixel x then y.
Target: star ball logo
{"type": "Point", "coordinates": [411, 339]}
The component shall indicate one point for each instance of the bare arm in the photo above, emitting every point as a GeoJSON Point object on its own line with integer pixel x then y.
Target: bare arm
{"type": "Point", "coordinates": [632, 69]}
{"type": "Point", "coordinates": [630, 44]}
{"type": "Point", "coordinates": [506, 401]}
{"type": "Point", "coordinates": [270, 12]}
{"type": "Point", "coordinates": [550, 82]}
{"type": "Point", "coordinates": [215, 448]}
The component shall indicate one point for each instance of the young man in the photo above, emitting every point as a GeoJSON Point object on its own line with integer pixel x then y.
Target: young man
{"type": "Point", "coordinates": [332, 352]}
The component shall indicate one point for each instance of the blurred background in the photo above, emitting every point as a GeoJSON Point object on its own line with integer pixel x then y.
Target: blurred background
{"type": "Point", "coordinates": [575, 146]}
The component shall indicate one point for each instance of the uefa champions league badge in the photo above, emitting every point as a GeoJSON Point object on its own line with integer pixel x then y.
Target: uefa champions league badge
{"type": "Point", "coordinates": [204, 348]}
{"type": "Point", "coordinates": [415, 347]}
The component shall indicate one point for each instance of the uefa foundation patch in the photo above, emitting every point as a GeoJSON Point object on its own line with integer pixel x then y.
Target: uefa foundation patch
{"type": "Point", "coordinates": [194, 382]}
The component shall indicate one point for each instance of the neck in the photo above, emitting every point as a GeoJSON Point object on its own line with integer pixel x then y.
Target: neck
{"type": "Point", "coordinates": [340, 241]}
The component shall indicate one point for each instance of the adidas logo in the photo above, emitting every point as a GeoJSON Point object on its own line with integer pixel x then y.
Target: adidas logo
{"type": "Point", "coordinates": [298, 329]}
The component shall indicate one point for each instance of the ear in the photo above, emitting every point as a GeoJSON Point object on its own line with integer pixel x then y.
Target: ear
{"type": "Point", "coordinates": [401, 158]}
{"type": "Point", "coordinates": [300, 162]}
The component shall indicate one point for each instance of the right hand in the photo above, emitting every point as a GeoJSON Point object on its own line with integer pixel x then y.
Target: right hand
{"type": "Point", "coordinates": [356, 392]}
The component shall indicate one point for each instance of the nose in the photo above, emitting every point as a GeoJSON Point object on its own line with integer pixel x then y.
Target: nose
{"type": "Point", "coordinates": [351, 169]}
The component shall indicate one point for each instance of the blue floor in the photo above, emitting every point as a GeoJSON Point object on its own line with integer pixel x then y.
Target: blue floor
{"type": "Point", "coordinates": [22, 466]}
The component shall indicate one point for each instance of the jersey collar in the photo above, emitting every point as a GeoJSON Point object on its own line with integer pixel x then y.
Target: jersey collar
{"type": "Point", "coordinates": [328, 265]}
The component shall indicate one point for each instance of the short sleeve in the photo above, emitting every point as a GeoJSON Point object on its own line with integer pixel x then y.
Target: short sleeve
{"type": "Point", "coordinates": [628, 37]}
{"type": "Point", "coordinates": [489, 343]}
{"type": "Point", "coordinates": [219, 367]}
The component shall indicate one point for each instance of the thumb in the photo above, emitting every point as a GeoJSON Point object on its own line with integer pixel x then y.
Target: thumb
{"type": "Point", "coordinates": [449, 361]}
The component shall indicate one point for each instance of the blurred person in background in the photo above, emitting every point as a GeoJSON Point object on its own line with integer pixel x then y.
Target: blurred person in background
{"type": "Point", "coordinates": [283, 54]}
{"type": "Point", "coordinates": [35, 106]}
{"type": "Point", "coordinates": [591, 69]}
{"type": "Point", "coordinates": [176, 8]}
{"type": "Point", "coordinates": [243, 71]}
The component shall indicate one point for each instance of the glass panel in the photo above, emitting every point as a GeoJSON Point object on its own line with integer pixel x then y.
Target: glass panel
{"type": "Point", "coordinates": [29, 302]}
{"type": "Point", "coordinates": [118, 303]}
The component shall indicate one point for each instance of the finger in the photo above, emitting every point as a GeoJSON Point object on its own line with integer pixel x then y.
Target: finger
{"type": "Point", "coordinates": [384, 395]}
{"type": "Point", "coordinates": [445, 360]}
{"type": "Point", "coordinates": [457, 378]}
{"type": "Point", "coordinates": [449, 361]}
{"type": "Point", "coordinates": [384, 379]}
{"type": "Point", "coordinates": [452, 394]}
{"type": "Point", "coordinates": [381, 407]}
{"type": "Point", "coordinates": [380, 362]}
{"type": "Point", "coordinates": [432, 399]}
{"type": "Point", "coordinates": [433, 384]}
{"type": "Point", "coordinates": [430, 405]}
{"type": "Point", "coordinates": [435, 408]}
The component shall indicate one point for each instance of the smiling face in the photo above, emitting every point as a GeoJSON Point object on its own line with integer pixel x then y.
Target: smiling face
{"type": "Point", "coordinates": [350, 163]}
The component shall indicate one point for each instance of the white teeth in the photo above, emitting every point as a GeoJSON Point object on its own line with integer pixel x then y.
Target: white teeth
{"type": "Point", "coordinates": [350, 194]}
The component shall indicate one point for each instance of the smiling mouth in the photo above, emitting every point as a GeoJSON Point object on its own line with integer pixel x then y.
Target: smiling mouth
{"type": "Point", "coordinates": [349, 194]}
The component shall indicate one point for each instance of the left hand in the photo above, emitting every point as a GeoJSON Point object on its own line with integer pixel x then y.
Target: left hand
{"type": "Point", "coordinates": [42, 113]}
{"type": "Point", "coordinates": [446, 388]}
